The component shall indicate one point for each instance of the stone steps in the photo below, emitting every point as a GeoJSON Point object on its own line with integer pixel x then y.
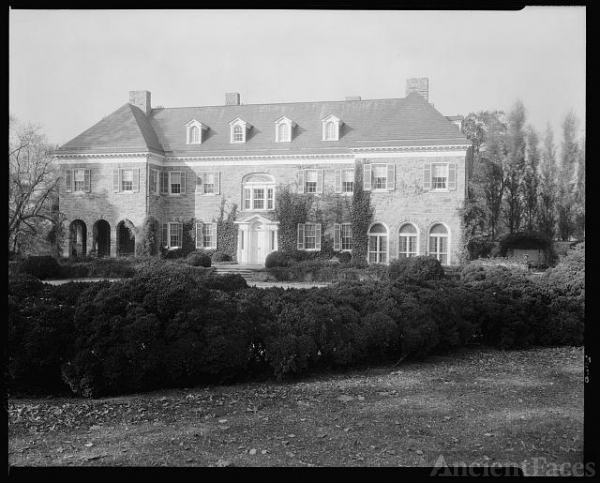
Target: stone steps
{"type": "Point", "coordinates": [249, 273]}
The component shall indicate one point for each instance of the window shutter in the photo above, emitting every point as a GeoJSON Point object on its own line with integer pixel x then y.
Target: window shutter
{"type": "Point", "coordinates": [86, 181]}
{"type": "Point", "coordinates": [180, 234]}
{"type": "Point", "coordinates": [182, 191]}
{"type": "Point", "coordinates": [300, 236]}
{"type": "Point", "coordinates": [116, 180]}
{"type": "Point", "coordinates": [217, 182]}
{"type": "Point", "coordinates": [320, 181]}
{"type": "Point", "coordinates": [136, 180]}
{"type": "Point", "coordinates": [301, 181]}
{"type": "Point", "coordinates": [391, 177]}
{"type": "Point", "coordinates": [199, 235]}
{"type": "Point", "coordinates": [214, 235]}
{"type": "Point", "coordinates": [337, 236]}
{"type": "Point", "coordinates": [164, 182]}
{"type": "Point", "coordinates": [367, 177]}
{"type": "Point", "coordinates": [69, 180]}
{"type": "Point", "coordinates": [427, 176]}
{"type": "Point", "coordinates": [452, 176]}
{"type": "Point", "coordinates": [318, 236]}
{"type": "Point", "coordinates": [165, 235]}
{"type": "Point", "coordinates": [338, 180]}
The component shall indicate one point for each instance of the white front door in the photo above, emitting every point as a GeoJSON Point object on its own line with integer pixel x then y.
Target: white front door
{"type": "Point", "coordinates": [258, 251]}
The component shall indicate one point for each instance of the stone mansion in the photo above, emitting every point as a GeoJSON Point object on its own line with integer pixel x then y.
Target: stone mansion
{"type": "Point", "coordinates": [180, 164]}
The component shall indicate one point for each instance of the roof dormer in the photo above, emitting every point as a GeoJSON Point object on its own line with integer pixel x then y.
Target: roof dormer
{"type": "Point", "coordinates": [283, 129]}
{"type": "Point", "coordinates": [238, 130]}
{"type": "Point", "coordinates": [194, 132]}
{"type": "Point", "coordinates": [331, 128]}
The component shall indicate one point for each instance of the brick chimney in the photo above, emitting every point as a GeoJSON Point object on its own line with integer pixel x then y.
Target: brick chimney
{"type": "Point", "coordinates": [418, 85]}
{"type": "Point", "coordinates": [232, 99]}
{"type": "Point", "coordinates": [141, 99]}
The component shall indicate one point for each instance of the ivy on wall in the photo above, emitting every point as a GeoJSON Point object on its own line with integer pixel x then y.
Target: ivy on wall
{"type": "Point", "coordinates": [361, 215]}
{"type": "Point", "coordinates": [227, 230]}
{"type": "Point", "coordinates": [291, 209]}
{"type": "Point", "coordinates": [147, 243]}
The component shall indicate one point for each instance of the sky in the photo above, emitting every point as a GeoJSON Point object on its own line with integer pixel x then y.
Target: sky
{"type": "Point", "coordinates": [70, 68]}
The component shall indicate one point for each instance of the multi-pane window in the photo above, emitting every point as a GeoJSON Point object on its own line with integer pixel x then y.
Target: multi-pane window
{"type": "Point", "coordinates": [127, 180]}
{"type": "Point", "coordinates": [346, 236]}
{"type": "Point", "coordinates": [175, 182]}
{"type": "Point", "coordinates": [407, 246]}
{"type": "Point", "coordinates": [309, 236]}
{"type": "Point", "coordinates": [378, 244]}
{"type": "Point", "coordinates": [330, 131]}
{"type": "Point", "coordinates": [194, 135]}
{"type": "Point", "coordinates": [310, 181]}
{"type": "Point", "coordinates": [439, 176]}
{"type": "Point", "coordinates": [438, 243]}
{"type": "Point", "coordinates": [283, 133]}
{"type": "Point", "coordinates": [206, 235]}
{"type": "Point", "coordinates": [379, 176]}
{"type": "Point", "coordinates": [238, 134]}
{"type": "Point", "coordinates": [172, 235]}
{"type": "Point", "coordinates": [210, 181]}
{"type": "Point", "coordinates": [259, 198]}
{"type": "Point", "coordinates": [347, 181]}
{"type": "Point", "coordinates": [79, 180]}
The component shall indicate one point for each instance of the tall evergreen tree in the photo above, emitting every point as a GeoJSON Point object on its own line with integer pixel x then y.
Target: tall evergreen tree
{"type": "Point", "coordinates": [531, 180]}
{"type": "Point", "coordinates": [548, 188]}
{"type": "Point", "coordinates": [514, 166]}
{"type": "Point", "coordinates": [569, 157]}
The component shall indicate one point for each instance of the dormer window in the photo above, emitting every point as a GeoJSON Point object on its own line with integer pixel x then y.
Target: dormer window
{"type": "Point", "coordinates": [239, 128]}
{"type": "Point", "coordinates": [194, 131]}
{"type": "Point", "coordinates": [283, 130]}
{"type": "Point", "coordinates": [331, 128]}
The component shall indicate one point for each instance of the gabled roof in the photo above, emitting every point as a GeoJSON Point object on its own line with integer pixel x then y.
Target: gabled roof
{"type": "Point", "coordinates": [409, 121]}
{"type": "Point", "coordinates": [125, 130]}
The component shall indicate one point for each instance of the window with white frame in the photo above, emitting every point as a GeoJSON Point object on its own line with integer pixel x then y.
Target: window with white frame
{"type": "Point", "coordinates": [378, 244]}
{"type": "Point", "coordinates": [206, 235]}
{"type": "Point", "coordinates": [348, 181]}
{"type": "Point", "coordinates": [175, 182]}
{"type": "Point", "coordinates": [239, 128]}
{"type": "Point", "coordinates": [309, 236]}
{"type": "Point", "coordinates": [194, 135]}
{"type": "Point", "coordinates": [331, 128]}
{"type": "Point", "coordinates": [77, 180]}
{"type": "Point", "coordinates": [438, 243]}
{"type": "Point", "coordinates": [283, 130]}
{"type": "Point", "coordinates": [172, 235]}
{"type": "Point", "coordinates": [210, 184]}
{"type": "Point", "coordinates": [126, 180]}
{"type": "Point", "coordinates": [194, 131]}
{"type": "Point", "coordinates": [258, 193]}
{"type": "Point", "coordinates": [310, 181]}
{"type": "Point", "coordinates": [407, 243]}
{"type": "Point", "coordinates": [379, 176]}
{"type": "Point", "coordinates": [439, 176]}
{"type": "Point", "coordinates": [342, 236]}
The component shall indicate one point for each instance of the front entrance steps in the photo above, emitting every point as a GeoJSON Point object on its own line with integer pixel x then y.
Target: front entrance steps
{"type": "Point", "coordinates": [252, 273]}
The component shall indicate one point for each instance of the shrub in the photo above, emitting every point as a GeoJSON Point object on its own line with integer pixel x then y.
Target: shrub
{"type": "Point", "coordinates": [220, 256]}
{"type": "Point", "coordinates": [277, 259]}
{"type": "Point", "coordinates": [229, 282]}
{"type": "Point", "coordinates": [345, 257]}
{"type": "Point", "coordinates": [173, 253]}
{"type": "Point", "coordinates": [198, 259]}
{"type": "Point", "coordinates": [415, 269]}
{"type": "Point", "coordinates": [22, 285]}
{"type": "Point", "coordinates": [42, 266]}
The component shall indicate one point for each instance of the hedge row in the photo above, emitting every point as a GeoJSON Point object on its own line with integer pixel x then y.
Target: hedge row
{"type": "Point", "coordinates": [177, 325]}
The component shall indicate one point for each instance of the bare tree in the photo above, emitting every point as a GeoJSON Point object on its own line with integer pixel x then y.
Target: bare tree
{"type": "Point", "coordinates": [33, 186]}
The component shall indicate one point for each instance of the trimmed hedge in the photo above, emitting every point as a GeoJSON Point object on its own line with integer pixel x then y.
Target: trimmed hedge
{"type": "Point", "coordinates": [174, 325]}
{"type": "Point", "coordinates": [42, 266]}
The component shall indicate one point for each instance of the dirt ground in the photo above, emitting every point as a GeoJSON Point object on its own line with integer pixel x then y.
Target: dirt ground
{"type": "Point", "coordinates": [475, 407]}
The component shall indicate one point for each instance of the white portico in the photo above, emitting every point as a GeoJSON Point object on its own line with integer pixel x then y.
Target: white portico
{"type": "Point", "coordinates": [256, 239]}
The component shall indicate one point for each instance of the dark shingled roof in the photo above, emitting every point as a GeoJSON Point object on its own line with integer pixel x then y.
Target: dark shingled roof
{"type": "Point", "coordinates": [409, 121]}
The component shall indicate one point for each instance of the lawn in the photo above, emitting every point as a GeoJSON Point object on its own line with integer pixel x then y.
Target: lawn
{"type": "Point", "coordinates": [476, 406]}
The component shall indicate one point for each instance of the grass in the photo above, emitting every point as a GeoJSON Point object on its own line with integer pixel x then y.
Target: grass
{"type": "Point", "coordinates": [477, 406]}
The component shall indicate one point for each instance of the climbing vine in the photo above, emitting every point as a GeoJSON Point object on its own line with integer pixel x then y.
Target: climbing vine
{"type": "Point", "coordinates": [361, 215]}
{"type": "Point", "coordinates": [147, 237]}
{"type": "Point", "coordinates": [291, 209]}
{"type": "Point", "coordinates": [227, 231]}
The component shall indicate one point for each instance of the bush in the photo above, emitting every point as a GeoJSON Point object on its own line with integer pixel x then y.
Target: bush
{"type": "Point", "coordinates": [220, 256]}
{"type": "Point", "coordinates": [229, 282]}
{"type": "Point", "coordinates": [345, 257]}
{"type": "Point", "coordinates": [42, 267]}
{"type": "Point", "coordinates": [198, 259]}
{"type": "Point", "coordinates": [172, 253]}
{"type": "Point", "coordinates": [415, 269]}
{"type": "Point", "coordinates": [277, 259]}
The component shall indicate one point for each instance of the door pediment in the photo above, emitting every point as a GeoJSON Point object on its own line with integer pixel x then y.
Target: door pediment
{"type": "Point", "coordinates": [256, 218]}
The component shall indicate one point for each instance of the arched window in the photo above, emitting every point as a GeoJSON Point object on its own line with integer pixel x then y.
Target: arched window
{"type": "Point", "coordinates": [330, 131]}
{"type": "Point", "coordinates": [258, 193]}
{"type": "Point", "coordinates": [194, 135]}
{"type": "Point", "coordinates": [407, 242]}
{"type": "Point", "coordinates": [438, 243]}
{"type": "Point", "coordinates": [283, 133]}
{"type": "Point", "coordinates": [378, 244]}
